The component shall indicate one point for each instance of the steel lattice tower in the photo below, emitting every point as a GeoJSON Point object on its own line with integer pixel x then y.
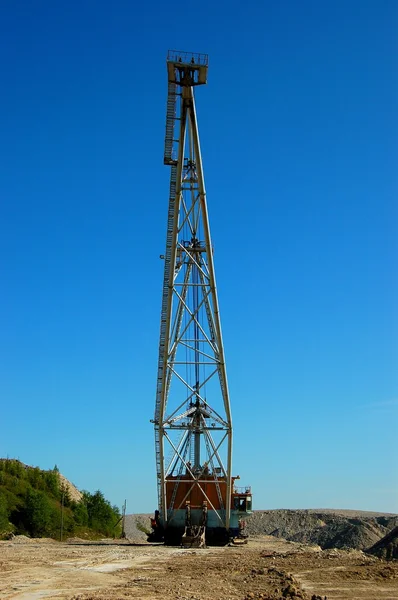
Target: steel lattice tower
{"type": "Point", "coordinates": [193, 426]}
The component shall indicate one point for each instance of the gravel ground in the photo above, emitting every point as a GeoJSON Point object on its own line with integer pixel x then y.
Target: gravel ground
{"type": "Point", "coordinates": [267, 568]}
{"type": "Point", "coordinates": [328, 529]}
{"type": "Point", "coordinates": [325, 528]}
{"type": "Point", "coordinates": [137, 527]}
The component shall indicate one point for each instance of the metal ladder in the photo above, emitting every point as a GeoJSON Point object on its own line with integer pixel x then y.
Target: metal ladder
{"type": "Point", "coordinates": [170, 120]}
{"type": "Point", "coordinates": [162, 368]}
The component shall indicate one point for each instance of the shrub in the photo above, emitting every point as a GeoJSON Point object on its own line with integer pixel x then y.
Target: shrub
{"type": "Point", "coordinates": [4, 525]}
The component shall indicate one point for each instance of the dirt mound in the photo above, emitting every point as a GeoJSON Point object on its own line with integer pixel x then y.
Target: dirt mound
{"type": "Point", "coordinates": [387, 547]}
{"type": "Point", "coordinates": [137, 527]}
{"type": "Point", "coordinates": [341, 534]}
{"type": "Point", "coordinates": [24, 539]}
{"type": "Point", "coordinates": [327, 529]}
{"type": "Point", "coordinates": [21, 539]}
{"type": "Point", "coordinates": [282, 523]}
{"type": "Point", "coordinates": [74, 494]}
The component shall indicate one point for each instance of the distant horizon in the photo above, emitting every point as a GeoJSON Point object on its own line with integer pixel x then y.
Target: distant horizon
{"type": "Point", "coordinates": [317, 510]}
{"type": "Point", "coordinates": [353, 510]}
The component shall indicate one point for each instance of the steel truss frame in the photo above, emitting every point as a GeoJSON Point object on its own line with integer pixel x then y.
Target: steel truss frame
{"type": "Point", "coordinates": [191, 354]}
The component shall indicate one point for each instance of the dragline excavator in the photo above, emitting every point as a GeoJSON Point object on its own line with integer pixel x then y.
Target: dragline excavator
{"type": "Point", "coordinates": [199, 501]}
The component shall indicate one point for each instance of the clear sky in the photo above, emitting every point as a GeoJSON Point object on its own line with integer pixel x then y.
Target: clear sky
{"type": "Point", "coordinates": [299, 135]}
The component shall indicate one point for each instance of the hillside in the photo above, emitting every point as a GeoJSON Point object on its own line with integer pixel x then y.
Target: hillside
{"type": "Point", "coordinates": [387, 547]}
{"type": "Point", "coordinates": [36, 503]}
{"type": "Point", "coordinates": [137, 527]}
{"type": "Point", "coordinates": [326, 528]}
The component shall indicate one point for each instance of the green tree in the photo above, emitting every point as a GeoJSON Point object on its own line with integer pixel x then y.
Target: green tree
{"type": "Point", "coordinates": [14, 467]}
{"type": "Point", "coordinates": [52, 482]}
{"type": "Point", "coordinates": [101, 516]}
{"type": "Point", "coordinates": [37, 515]}
{"type": "Point", "coordinates": [35, 478]}
{"type": "Point", "coordinates": [3, 513]}
{"type": "Point", "coordinates": [34, 501]}
{"type": "Point", "coordinates": [80, 513]}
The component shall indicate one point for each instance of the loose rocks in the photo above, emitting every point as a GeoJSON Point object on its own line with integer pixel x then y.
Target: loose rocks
{"type": "Point", "coordinates": [387, 547]}
{"type": "Point", "coordinates": [344, 529]}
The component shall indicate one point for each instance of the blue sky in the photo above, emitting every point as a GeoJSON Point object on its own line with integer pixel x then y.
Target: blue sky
{"type": "Point", "coordinates": [299, 137]}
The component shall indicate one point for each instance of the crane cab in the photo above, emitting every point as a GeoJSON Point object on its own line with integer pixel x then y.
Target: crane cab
{"type": "Point", "coordinates": [242, 501]}
{"type": "Point", "coordinates": [187, 68]}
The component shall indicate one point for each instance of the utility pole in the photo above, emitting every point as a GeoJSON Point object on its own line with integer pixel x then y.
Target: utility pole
{"type": "Point", "coordinates": [62, 511]}
{"type": "Point", "coordinates": [124, 519]}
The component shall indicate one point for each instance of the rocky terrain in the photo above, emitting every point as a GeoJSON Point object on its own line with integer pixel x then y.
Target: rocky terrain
{"type": "Point", "coordinates": [137, 527]}
{"type": "Point", "coordinates": [292, 554]}
{"type": "Point", "coordinates": [387, 547]}
{"type": "Point", "coordinates": [74, 494]}
{"type": "Point", "coordinates": [268, 568]}
{"type": "Point", "coordinates": [325, 528]}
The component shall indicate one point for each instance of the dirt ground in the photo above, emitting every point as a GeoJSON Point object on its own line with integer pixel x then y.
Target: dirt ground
{"type": "Point", "coordinates": [266, 568]}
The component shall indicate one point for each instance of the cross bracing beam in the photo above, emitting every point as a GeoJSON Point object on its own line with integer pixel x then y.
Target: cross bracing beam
{"type": "Point", "coordinates": [190, 402]}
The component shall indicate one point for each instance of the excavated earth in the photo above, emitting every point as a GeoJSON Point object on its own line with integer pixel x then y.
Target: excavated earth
{"type": "Point", "coordinates": [387, 547]}
{"type": "Point", "coordinates": [326, 528]}
{"type": "Point", "coordinates": [269, 567]}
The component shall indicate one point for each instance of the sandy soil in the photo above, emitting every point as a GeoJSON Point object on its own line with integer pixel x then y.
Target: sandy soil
{"type": "Point", "coordinates": [266, 568]}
